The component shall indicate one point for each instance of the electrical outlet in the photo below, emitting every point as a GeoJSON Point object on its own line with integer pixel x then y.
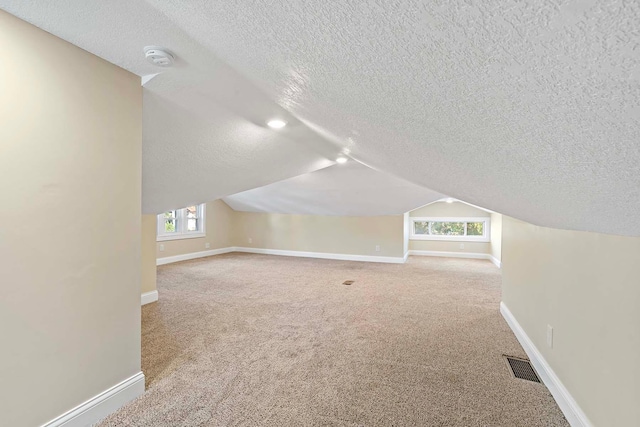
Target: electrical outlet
{"type": "Point", "coordinates": [161, 247]}
{"type": "Point", "coordinates": [250, 240]}
{"type": "Point", "coordinates": [207, 245]}
{"type": "Point", "coordinates": [550, 336]}
{"type": "Point", "coordinates": [377, 248]}
{"type": "Point", "coordinates": [461, 245]}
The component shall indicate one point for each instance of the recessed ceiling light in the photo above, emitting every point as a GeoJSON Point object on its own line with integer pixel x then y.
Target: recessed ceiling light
{"type": "Point", "coordinates": [341, 159]}
{"type": "Point", "coordinates": [276, 123]}
{"type": "Point", "coordinates": [449, 200]}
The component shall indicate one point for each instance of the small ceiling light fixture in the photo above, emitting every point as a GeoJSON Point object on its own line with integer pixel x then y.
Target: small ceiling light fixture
{"type": "Point", "coordinates": [449, 200]}
{"type": "Point", "coordinates": [341, 159]}
{"type": "Point", "coordinates": [276, 123]}
{"type": "Point", "coordinates": [159, 56]}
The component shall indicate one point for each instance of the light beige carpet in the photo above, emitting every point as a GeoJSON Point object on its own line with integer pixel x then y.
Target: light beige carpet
{"type": "Point", "coordinates": [256, 340]}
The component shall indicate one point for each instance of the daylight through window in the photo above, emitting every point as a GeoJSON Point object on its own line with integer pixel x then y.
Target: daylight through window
{"type": "Point", "coordinates": [472, 229]}
{"type": "Point", "coordinates": [182, 223]}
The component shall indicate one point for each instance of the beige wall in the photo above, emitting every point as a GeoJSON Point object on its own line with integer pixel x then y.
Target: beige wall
{"type": "Point", "coordinates": [445, 209]}
{"type": "Point", "coordinates": [218, 229]}
{"type": "Point", "coordinates": [587, 287]}
{"type": "Point", "coordinates": [149, 233]}
{"type": "Point", "coordinates": [327, 234]}
{"type": "Point", "coordinates": [496, 236]}
{"type": "Point", "coordinates": [455, 209]}
{"type": "Point", "coordinates": [70, 240]}
{"type": "Point", "coordinates": [443, 246]}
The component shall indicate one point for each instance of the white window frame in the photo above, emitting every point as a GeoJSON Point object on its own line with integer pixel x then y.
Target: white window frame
{"type": "Point", "coordinates": [486, 237]}
{"type": "Point", "coordinates": [181, 221]}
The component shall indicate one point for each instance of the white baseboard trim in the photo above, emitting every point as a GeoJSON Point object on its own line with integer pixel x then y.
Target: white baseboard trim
{"type": "Point", "coordinates": [98, 407]}
{"type": "Point", "coordinates": [496, 261]}
{"type": "Point", "coordinates": [193, 255]}
{"type": "Point", "coordinates": [342, 257]}
{"type": "Point", "coordinates": [567, 404]}
{"type": "Point", "coordinates": [148, 297]}
{"type": "Point", "coordinates": [323, 255]}
{"type": "Point", "coordinates": [470, 255]}
{"type": "Point", "coordinates": [280, 252]}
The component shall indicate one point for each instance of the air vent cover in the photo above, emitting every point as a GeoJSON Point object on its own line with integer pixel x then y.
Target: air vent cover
{"type": "Point", "coordinates": [521, 368]}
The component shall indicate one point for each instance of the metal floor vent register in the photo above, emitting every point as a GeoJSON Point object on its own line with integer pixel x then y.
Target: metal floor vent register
{"type": "Point", "coordinates": [521, 368]}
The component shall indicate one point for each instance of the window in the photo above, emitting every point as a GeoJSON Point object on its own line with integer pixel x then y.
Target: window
{"type": "Point", "coordinates": [460, 229]}
{"type": "Point", "coordinates": [182, 223]}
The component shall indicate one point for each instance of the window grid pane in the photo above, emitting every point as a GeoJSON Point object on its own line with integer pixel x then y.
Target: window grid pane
{"type": "Point", "coordinates": [421, 227]}
{"type": "Point", "coordinates": [475, 229]}
{"type": "Point", "coordinates": [445, 228]}
{"type": "Point", "coordinates": [191, 211]}
{"type": "Point", "coordinates": [170, 226]}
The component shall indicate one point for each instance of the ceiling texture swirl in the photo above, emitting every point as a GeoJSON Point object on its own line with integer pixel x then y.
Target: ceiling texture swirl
{"type": "Point", "coordinates": [528, 108]}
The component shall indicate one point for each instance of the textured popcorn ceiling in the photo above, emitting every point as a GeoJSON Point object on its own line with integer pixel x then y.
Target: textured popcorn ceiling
{"type": "Point", "coordinates": [347, 189]}
{"type": "Point", "coordinates": [528, 108]}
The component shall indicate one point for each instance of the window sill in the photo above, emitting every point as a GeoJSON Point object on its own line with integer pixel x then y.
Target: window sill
{"type": "Point", "coordinates": [452, 239]}
{"type": "Point", "coordinates": [180, 237]}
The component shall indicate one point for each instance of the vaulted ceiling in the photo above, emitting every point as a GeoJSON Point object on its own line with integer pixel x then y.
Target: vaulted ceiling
{"type": "Point", "coordinates": [350, 189]}
{"type": "Point", "coordinates": [531, 109]}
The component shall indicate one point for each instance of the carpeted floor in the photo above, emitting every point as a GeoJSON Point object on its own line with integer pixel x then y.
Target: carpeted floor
{"type": "Point", "coordinates": [257, 340]}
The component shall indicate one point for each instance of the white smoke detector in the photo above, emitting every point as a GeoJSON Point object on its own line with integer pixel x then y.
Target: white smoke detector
{"type": "Point", "coordinates": [159, 56]}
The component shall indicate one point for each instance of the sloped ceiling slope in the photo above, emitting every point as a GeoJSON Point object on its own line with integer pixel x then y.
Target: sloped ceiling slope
{"type": "Point", "coordinates": [531, 109]}
{"type": "Point", "coordinates": [204, 126]}
{"type": "Point", "coordinates": [349, 189]}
